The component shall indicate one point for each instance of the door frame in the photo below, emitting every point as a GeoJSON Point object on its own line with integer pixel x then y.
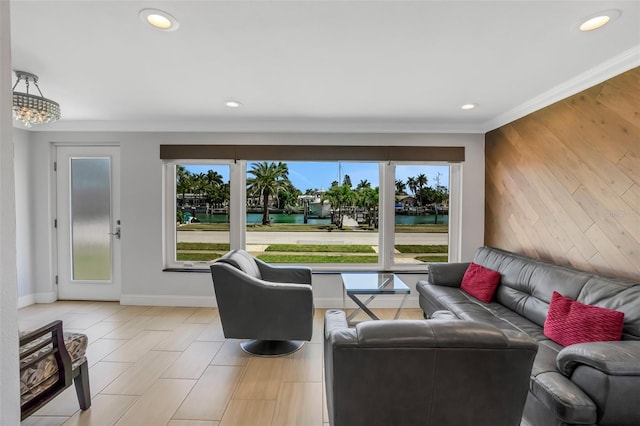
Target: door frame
{"type": "Point", "coordinates": [53, 211]}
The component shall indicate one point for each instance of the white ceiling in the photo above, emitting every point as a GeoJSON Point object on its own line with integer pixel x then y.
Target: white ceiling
{"type": "Point", "coordinates": [315, 65]}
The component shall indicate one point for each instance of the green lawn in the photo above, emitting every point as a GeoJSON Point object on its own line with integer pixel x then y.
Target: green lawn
{"type": "Point", "coordinates": [422, 248]}
{"type": "Point", "coordinates": [286, 253]}
{"type": "Point", "coordinates": [204, 227]}
{"type": "Point", "coordinates": [433, 229]}
{"type": "Point", "coordinates": [197, 257]}
{"type": "Point", "coordinates": [284, 227]}
{"type": "Point", "coordinates": [432, 259]}
{"type": "Point", "coordinates": [203, 246]}
{"type": "Point", "coordinates": [326, 248]}
{"type": "Point", "coordinates": [293, 258]}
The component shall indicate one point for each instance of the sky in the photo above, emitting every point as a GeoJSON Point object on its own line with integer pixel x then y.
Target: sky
{"type": "Point", "coordinates": [319, 175]}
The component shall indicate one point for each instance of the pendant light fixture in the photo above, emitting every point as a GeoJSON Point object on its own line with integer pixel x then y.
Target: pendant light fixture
{"type": "Point", "coordinates": [30, 108]}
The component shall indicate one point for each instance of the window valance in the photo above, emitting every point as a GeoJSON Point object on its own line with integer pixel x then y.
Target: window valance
{"type": "Point", "coordinates": [454, 154]}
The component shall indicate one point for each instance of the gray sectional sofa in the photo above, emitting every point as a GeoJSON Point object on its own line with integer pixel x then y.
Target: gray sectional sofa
{"type": "Point", "coordinates": [583, 384]}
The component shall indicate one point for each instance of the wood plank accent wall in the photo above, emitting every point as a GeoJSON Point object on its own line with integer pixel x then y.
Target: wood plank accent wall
{"type": "Point", "coordinates": [563, 183]}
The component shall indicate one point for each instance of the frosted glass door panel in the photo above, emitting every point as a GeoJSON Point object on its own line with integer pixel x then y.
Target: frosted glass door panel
{"type": "Point", "coordinates": [91, 219]}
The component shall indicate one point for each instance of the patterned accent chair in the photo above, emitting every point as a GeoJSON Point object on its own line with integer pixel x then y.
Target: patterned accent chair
{"type": "Point", "coordinates": [50, 360]}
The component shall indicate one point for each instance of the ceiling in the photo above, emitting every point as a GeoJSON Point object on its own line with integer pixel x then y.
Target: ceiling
{"type": "Point", "coordinates": [370, 66]}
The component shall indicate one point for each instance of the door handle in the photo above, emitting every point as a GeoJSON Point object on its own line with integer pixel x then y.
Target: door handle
{"type": "Point", "coordinates": [117, 233]}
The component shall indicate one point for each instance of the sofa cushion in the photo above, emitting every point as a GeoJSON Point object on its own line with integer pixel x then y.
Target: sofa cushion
{"type": "Point", "coordinates": [526, 284]}
{"type": "Point", "coordinates": [430, 296]}
{"type": "Point", "coordinates": [619, 295]}
{"type": "Point", "coordinates": [570, 322]}
{"type": "Point", "coordinates": [447, 274]}
{"type": "Point", "coordinates": [434, 298]}
{"type": "Point", "coordinates": [480, 282]}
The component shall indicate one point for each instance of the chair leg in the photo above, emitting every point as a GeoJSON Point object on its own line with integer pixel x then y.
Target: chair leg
{"type": "Point", "coordinates": [81, 381]}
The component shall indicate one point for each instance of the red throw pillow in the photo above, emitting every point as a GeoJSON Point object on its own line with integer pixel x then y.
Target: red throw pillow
{"type": "Point", "coordinates": [569, 322]}
{"type": "Point", "coordinates": [480, 282]}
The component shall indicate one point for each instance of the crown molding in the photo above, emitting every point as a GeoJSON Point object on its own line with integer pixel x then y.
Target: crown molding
{"type": "Point", "coordinates": [261, 125]}
{"type": "Point", "coordinates": [596, 75]}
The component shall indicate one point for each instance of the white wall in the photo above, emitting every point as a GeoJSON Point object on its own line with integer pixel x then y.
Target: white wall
{"type": "Point", "coordinates": [25, 205]}
{"type": "Point", "coordinates": [9, 383]}
{"type": "Point", "coordinates": [143, 281]}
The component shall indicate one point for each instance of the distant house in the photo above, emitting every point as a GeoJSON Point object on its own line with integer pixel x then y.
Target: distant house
{"type": "Point", "coordinates": [403, 202]}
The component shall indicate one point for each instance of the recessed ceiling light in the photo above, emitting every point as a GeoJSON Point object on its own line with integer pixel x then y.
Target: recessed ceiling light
{"type": "Point", "coordinates": [594, 23]}
{"type": "Point", "coordinates": [159, 19]}
{"type": "Point", "coordinates": [598, 20]}
{"type": "Point", "coordinates": [469, 106]}
{"type": "Point", "coordinates": [233, 104]}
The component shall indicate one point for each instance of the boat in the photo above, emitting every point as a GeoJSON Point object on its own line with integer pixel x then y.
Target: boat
{"type": "Point", "coordinates": [317, 207]}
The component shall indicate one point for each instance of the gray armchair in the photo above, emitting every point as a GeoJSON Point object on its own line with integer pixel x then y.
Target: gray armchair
{"type": "Point", "coordinates": [271, 305]}
{"type": "Point", "coordinates": [429, 372]}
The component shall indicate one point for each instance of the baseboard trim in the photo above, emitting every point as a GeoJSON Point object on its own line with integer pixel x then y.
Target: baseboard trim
{"type": "Point", "coordinates": [49, 297]}
{"type": "Point", "coordinates": [387, 301]}
{"type": "Point", "coordinates": [27, 300]}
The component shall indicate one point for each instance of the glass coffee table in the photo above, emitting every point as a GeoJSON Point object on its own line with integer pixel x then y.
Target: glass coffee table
{"type": "Point", "coordinates": [372, 284]}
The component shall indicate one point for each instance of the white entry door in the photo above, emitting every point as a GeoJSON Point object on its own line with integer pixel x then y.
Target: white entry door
{"type": "Point", "coordinates": [88, 222]}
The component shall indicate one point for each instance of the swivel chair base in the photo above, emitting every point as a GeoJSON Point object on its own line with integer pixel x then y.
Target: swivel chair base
{"type": "Point", "coordinates": [271, 348]}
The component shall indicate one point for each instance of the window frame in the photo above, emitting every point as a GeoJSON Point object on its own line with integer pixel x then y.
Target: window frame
{"type": "Point", "coordinates": [169, 237]}
{"type": "Point", "coordinates": [237, 214]}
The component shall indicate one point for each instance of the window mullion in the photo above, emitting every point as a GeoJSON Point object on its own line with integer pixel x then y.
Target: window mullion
{"type": "Point", "coordinates": [387, 218]}
{"type": "Point", "coordinates": [238, 205]}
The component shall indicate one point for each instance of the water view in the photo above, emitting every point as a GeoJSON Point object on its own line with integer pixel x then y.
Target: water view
{"type": "Point", "coordinates": [309, 204]}
{"type": "Point", "coordinates": [256, 218]}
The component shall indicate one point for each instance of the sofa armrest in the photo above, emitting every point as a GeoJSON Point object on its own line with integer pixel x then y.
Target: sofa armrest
{"type": "Point", "coordinates": [609, 372]}
{"type": "Point", "coordinates": [284, 274]}
{"type": "Point", "coordinates": [337, 331]}
{"type": "Point", "coordinates": [612, 358]}
{"type": "Point", "coordinates": [334, 319]}
{"type": "Point", "coordinates": [447, 274]}
{"type": "Point", "coordinates": [46, 341]}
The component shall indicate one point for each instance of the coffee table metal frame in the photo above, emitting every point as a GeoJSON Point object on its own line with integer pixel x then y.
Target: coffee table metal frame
{"type": "Point", "coordinates": [372, 284]}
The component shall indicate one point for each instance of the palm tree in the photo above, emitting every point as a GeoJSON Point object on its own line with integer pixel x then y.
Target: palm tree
{"type": "Point", "coordinates": [183, 180]}
{"type": "Point", "coordinates": [364, 183]}
{"type": "Point", "coordinates": [268, 179]}
{"type": "Point", "coordinates": [214, 178]}
{"type": "Point", "coordinates": [411, 183]}
{"type": "Point", "coordinates": [421, 181]}
{"type": "Point", "coordinates": [200, 186]}
{"type": "Point", "coordinates": [214, 186]}
{"type": "Point", "coordinates": [400, 186]}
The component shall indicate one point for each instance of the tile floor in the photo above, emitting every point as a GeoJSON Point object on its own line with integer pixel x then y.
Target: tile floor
{"type": "Point", "coordinates": [157, 366]}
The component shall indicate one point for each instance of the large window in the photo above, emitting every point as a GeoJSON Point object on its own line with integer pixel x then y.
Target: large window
{"type": "Point", "coordinates": [200, 201]}
{"type": "Point", "coordinates": [421, 213]}
{"type": "Point", "coordinates": [331, 215]}
{"type": "Point", "coordinates": [313, 212]}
